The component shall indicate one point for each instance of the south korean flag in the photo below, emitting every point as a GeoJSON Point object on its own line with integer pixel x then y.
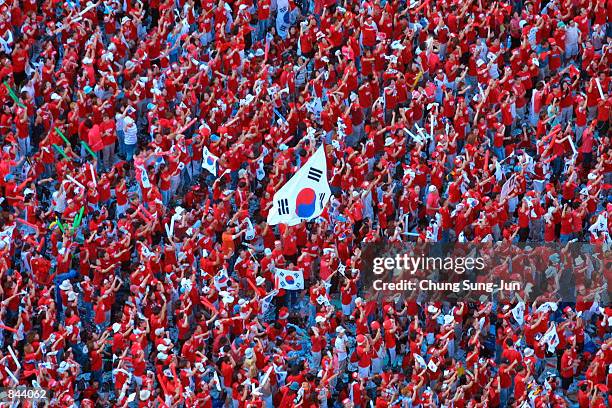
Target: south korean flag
{"type": "Point", "coordinates": [209, 161]}
{"type": "Point", "coordinates": [305, 195]}
{"type": "Point", "coordinates": [290, 280]}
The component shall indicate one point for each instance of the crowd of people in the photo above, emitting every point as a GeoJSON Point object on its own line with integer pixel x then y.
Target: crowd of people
{"type": "Point", "coordinates": [142, 144]}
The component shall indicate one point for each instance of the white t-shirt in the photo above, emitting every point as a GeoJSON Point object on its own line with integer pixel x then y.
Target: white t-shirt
{"type": "Point", "coordinates": [340, 347]}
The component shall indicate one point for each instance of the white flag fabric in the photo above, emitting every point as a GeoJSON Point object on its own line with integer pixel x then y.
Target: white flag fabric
{"type": "Point", "coordinates": [290, 280]}
{"type": "Point", "coordinates": [266, 301]}
{"type": "Point", "coordinates": [142, 175]}
{"type": "Point", "coordinates": [209, 161]}
{"type": "Point", "coordinates": [6, 237]}
{"type": "Point", "coordinates": [250, 230]}
{"type": "Point", "coordinates": [547, 307]}
{"type": "Point", "coordinates": [551, 338]}
{"type": "Point", "coordinates": [508, 187]}
{"type": "Point", "coordinates": [283, 18]}
{"type": "Point", "coordinates": [420, 360]}
{"type": "Point", "coordinates": [221, 280]}
{"type": "Point", "coordinates": [260, 172]}
{"type": "Point", "coordinates": [518, 312]}
{"type": "Point", "coordinates": [305, 195]}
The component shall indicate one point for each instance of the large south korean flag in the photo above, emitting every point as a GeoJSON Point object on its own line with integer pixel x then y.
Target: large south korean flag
{"type": "Point", "coordinates": [305, 195]}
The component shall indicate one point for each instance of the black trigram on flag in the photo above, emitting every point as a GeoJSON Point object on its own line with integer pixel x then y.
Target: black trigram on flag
{"type": "Point", "coordinates": [283, 206]}
{"type": "Point", "coordinates": [321, 198]}
{"type": "Point", "coordinates": [314, 174]}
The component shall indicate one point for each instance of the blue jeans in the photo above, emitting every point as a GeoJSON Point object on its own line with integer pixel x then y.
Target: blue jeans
{"type": "Point", "coordinates": [504, 395]}
{"type": "Point", "coordinates": [262, 28]}
{"type": "Point", "coordinates": [121, 139]}
{"type": "Point", "coordinates": [166, 195]}
{"type": "Point", "coordinates": [500, 152]}
{"type": "Point", "coordinates": [129, 152]}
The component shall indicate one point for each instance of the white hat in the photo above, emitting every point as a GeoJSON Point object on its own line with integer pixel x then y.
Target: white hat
{"type": "Point", "coordinates": [144, 394]}
{"type": "Point", "coordinates": [159, 331]}
{"type": "Point", "coordinates": [248, 353]}
{"type": "Point", "coordinates": [267, 252]}
{"type": "Point", "coordinates": [87, 60]}
{"type": "Point", "coordinates": [116, 327]}
{"type": "Point", "coordinates": [479, 63]}
{"type": "Point", "coordinates": [125, 20]}
{"type": "Point", "coordinates": [432, 309]}
{"type": "Point", "coordinates": [389, 141]}
{"type": "Point", "coordinates": [528, 352]}
{"type": "Point", "coordinates": [259, 52]}
{"type": "Point", "coordinates": [162, 347]}
{"type": "Point", "coordinates": [319, 319]}
{"type": "Point", "coordinates": [65, 285]}
{"type": "Point", "coordinates": [162, 356]}
{"type": "Point", "coordinates": [55, 97]}
{"type": "Point", "coordinates": [72, 297]}
{"type": "Point", "coordinates": [340, 329]}
{"type": "Point", "coordinates": [578, 261]}
{"type": "Point", "coordinates": [260, 280]}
